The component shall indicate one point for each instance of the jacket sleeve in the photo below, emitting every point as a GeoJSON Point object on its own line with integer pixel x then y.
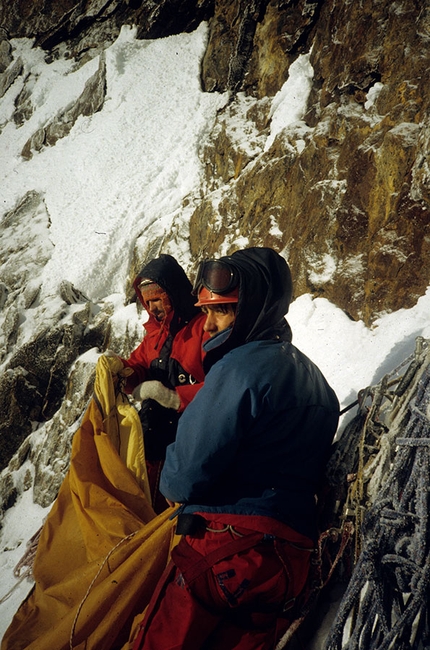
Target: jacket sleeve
{"type": "Point", "coordinates": [209, 433]}
{"type": "Point", "coordinates": [187, 393]}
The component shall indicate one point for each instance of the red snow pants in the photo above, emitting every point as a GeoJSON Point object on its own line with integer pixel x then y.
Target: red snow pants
{"type": "Point", "coordinates": [227, 588]}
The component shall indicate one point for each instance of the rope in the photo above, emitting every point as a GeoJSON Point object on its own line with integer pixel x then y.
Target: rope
{"type": "Point", "coordinates": [81, 604]}
{"type": "Point", "coordinates": [386, 604]}
{"type": "Point", "coordinates": [404, 380]}
{"type": "Point", "coordinates": [27, 560]}
{"type": "Point", "coordinates": [15, 586]}
{"type": "Point", "coordinates": [359, 459]}
{"type": "Point", "coordinates": [318, 580]}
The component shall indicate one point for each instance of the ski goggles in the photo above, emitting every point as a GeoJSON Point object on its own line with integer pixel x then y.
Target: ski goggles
{"type": "Point", "coordinates": [216, 276]}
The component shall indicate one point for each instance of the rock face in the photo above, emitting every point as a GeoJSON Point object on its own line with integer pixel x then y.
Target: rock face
{"type": "Point", "coordinates": [344, 190]}
{"type": "Point", "coordinates": [40, 384]}
{"type": "Point", "coordinates": [77, 28]}
{"type": "Point", "coordinates": [351, 207]}
{"type": "Point", "coordinates": [90, 101]}
{"type": "Point", "coordinates": [34, 378]}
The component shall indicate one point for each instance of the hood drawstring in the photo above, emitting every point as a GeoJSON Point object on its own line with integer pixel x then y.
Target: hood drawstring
{"type": "Point", "coordinates": [160, 334]}
{"type": "Point", "coordinates": [165, 324]}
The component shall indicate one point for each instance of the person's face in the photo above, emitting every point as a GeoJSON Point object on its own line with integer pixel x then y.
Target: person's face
{"type": "Point", "coordinates": [217, 318]}
{"type": "Point", "coordinates": [158, 308]}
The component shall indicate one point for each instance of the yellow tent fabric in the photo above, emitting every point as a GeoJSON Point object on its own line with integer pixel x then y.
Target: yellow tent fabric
{"type": "Point", "coordinates": [102, 549]}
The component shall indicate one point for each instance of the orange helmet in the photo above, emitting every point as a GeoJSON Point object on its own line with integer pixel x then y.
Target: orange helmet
{"type": "Point", "coordinates": [207, 297]}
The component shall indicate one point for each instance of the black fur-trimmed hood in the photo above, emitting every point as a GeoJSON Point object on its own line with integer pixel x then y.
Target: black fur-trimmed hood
{"type": "Point", "coordinates": [165, 271]}
{"type": "Point", "coordinates": [265, 293]}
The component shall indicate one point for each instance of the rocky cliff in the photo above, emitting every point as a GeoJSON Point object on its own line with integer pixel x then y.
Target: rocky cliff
{"type": "Point", "coordinates": [344, 192]}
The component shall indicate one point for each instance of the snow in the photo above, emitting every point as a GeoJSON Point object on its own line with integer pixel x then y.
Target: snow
{"type": "Point", "coordinates": [153, 91]}
{"type": "Point", "coordinates": [241, 131]}
{"type": "Point", "coordinates": [126, 171]}
{"type": "Point", "coordinates": [351, 355]}
{"type": "Point", "coordinates": [321, 269]}
{"type": "Point", "coordinates": [289, 103]}
{"type": "Point", "coordinates": [19, 525]}
{"type": "Point", "coordinates": [372, 95]}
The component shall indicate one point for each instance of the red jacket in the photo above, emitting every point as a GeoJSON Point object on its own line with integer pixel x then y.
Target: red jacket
{"type": "Point", "coordinates": [185, 370]}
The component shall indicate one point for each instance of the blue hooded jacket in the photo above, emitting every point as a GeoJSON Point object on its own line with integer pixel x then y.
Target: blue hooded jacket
{"type": "Point", "coordinates": [256, 438]}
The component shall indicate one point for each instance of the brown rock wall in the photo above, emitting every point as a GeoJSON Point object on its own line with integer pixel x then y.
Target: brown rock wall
{"type": "Point", "coordinates": [281, 35]}
{"type": "Point", "coordinates": [355, 228]}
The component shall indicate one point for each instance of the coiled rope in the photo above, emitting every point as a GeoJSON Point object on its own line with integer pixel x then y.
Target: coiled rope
{"type": "Point", "coordinates": [386, 604]}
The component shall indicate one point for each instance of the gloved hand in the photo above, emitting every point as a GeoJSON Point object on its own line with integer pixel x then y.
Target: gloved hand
{"type": "Point", "coordinates": [110, 353]}
{"type": "Point", "coordinates": [115, 363]}
{"type": "Point", "coordinates": [155, 390]}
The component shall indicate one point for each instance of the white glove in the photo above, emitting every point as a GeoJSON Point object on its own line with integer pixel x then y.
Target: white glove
{"type": "Point", "coordinates": [156, 391]}
{"type": "Point", "coordinates": [115, 363]}
{"type": "Point", "coordinates": [109, 353]}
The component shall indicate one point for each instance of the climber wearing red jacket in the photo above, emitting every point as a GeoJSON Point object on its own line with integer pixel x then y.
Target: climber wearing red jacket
{"type": "Point", "coordinates": [167, 365]}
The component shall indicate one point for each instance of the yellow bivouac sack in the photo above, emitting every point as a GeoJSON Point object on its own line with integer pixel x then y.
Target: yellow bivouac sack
{"type": "Point", "coordinates": [102, 548]}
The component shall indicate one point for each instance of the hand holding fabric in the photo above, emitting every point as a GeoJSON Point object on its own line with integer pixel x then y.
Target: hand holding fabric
{"type": "Point", "coordinates": [155, 390]}
{"type": "Point", "coordinates": [110, 353]}
{"type": "Point", "coordinates": [114, 360]}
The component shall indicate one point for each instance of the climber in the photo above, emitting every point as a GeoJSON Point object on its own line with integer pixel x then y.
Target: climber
{"type": "Point", "coordinates": [167, 365]}
{"type": "Point", "coordinates": [245, 466]}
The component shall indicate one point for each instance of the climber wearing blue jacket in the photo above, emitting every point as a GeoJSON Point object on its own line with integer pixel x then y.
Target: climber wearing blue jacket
{"type": "Point", "coordinates": [249, 453]}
